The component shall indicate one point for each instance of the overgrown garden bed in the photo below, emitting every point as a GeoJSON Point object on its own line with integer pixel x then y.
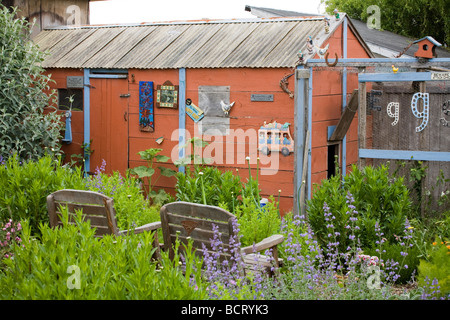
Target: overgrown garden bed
{"type": "Point", "coordinates": [360, 239]}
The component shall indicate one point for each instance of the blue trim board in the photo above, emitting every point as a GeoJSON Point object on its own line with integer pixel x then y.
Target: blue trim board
{"type": "Point", "coordinates": [344, 96]}
{"type": "Point", "coordinates": [108, 76]}
{"type": "Point", "coordinates": [310, 99]}
{"type": "Point", "coordinates": [404, 155]}
{"type": "Point", "coordinates": [299, 131]}
{"type": "Point", "coordinates": [87, 116]}
{"type": "Point", "coordinates": [181, 114]}
{"type": "Point", "coordinates": [380, 60]}
{"type": "Point", "coordinates": [396, 77]}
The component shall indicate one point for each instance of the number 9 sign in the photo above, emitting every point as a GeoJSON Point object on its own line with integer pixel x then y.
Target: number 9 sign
{"type": "Point", "coordinates": [424, 114]}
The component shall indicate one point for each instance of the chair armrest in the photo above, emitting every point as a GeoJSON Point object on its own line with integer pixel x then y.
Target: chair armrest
{"type": "Point", "coordinates": [146, 227]}
{"type": "Point", "coordinates": [265, 244]}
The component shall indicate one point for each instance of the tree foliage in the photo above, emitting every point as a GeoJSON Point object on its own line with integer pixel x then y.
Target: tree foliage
{"type": "Point", "coordinates": [412, 18]}
{"type": "Point", "coordinates": [27, 128]}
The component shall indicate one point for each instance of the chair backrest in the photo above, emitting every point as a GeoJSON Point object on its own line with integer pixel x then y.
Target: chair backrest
{"type": "Point", "coordinates": [96, 207]}
{"type": "Point", "coordinates": [194, 221]}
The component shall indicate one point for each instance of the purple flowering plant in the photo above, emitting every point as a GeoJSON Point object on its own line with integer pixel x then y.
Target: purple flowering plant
{"type": "Point", "coordinates": [9, 238]}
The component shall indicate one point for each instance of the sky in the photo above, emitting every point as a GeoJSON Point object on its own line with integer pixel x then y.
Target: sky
{"type": "Point", "coordinates": [137, 11]}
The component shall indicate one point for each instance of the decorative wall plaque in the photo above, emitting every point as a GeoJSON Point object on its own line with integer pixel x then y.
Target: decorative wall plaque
{"type": "Point", "coordinates": [193, 111]}
{"type": "Point", "coordinates": [167, 95]}
{"type": "Point", "coordinates": [146, 121]}
{"type": "Point", "coordinates": [261, 97]}
{"type": "Point", "coordinates": [74, 82]}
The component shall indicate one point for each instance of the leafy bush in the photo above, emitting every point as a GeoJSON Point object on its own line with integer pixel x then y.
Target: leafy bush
{"type": "Point", "coordinates": [26, 128]}
{"type": "Point", "coordinates": [70, 263]}
{"type": "Point", "coordinates": [437, 268]}
{"type": "Point", "coordinates": [204, 183]}
{"type": "Point", "coordinates": [377, 199]}
{"type": "Point", "coordinates": [256, 223]}
{"type": "Point", "coordinates": [24, 187]}
{"type": "Point", "coordinates": [147, 172]}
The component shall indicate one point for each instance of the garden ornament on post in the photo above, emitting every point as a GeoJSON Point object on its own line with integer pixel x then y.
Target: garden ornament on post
{"type": "Point", "coordinates": [309, 44]}
{"type": "Point", "coordinates": [322, 51]}
{"type": "Point", "coordinates": [427, 48]}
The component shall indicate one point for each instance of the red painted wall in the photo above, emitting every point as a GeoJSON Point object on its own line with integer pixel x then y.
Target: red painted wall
{"type": "Point", "coordinates": [245, 115]}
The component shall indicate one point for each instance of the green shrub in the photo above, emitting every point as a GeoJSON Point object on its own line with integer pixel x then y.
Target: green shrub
{"type": "Point", "coordinates": [70, 263]}
{"type": "Point", "coordinates": [204, 183]}
{"type": "Point", "coordinates": [24, 187]}
{"type": "Point", "coordinates": [26, 128]}
{"type": "Point", "coordinates": [377, 198]}
{"type": "Point", "coordinates": [437, 267]}
{"type": "Point", "coordinates": [380, 197]}
{"type": "Point", "coordinates": [255, 223]}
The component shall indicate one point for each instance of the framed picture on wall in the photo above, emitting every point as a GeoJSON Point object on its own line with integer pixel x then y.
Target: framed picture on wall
{"type": "Point", "coordinates": [167, 95]}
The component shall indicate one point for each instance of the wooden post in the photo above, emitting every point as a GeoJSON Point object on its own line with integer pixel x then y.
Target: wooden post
{"type": "Point", "coordinates": [362, 113]}
{"type": "Point", "coordinates": [300, 125]}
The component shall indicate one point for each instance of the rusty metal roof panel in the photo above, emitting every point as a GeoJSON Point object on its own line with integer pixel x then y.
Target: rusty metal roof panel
{"type": "Point", "coordinates": [254, 43]}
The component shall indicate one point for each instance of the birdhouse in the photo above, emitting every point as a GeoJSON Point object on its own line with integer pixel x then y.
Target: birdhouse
{"type": "Point", "coordinates": [427, 47]}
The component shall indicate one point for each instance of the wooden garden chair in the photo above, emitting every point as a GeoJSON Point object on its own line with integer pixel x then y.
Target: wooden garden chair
{"type": "Point", "coordinates": [98, 209]}
{"type": "Point", "coordinates": [185, 220]}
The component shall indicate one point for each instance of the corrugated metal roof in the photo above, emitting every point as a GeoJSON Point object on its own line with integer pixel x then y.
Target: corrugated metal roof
{"type": "Point", "coordinates": [255, 43]}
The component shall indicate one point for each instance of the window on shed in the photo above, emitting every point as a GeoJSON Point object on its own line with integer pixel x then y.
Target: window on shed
{"type": "Point", "coordinates": [332, 159]}
{"type": "Point", "coordinates": [64, 99]}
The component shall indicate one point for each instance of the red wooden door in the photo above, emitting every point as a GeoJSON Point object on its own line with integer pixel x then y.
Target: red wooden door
{"type": "Point", "coordinates": [109, 126]}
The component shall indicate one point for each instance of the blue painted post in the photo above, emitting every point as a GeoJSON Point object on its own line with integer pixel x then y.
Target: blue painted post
{"type": "Point", "coordinates": [87, 118]}
{"type": "Point", "coordinates": [344, 95]}
{"type": "Point", "coordinates": [300, 105]}
{"type": "Point", "coordinates": [310, 98]}
{"type": "Point", "coordinates": [182, 114]}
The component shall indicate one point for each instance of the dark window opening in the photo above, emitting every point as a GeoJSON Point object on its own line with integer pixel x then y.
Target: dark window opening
{"type": "Point", "coordinates": [333, 160]}
{"type": "Point", "coordinates": [64, 102]}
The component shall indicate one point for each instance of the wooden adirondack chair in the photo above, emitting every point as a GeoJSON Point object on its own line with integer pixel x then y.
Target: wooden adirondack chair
{"type": "Point", "coordinates": [195, 221]}
{"type": "Point", "coordinates": [98, 209]}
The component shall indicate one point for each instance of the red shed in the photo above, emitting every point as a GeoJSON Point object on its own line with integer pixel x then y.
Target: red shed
{"type": "Point", "coordinates": [138, 85]}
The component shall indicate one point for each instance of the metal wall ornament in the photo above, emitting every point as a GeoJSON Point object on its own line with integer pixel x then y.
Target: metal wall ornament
{"type": "Point", "coordinates": [226, 107]}
{"type": "Point", "coordinates": [394, 114]}
{"type": "Point", "coordinates": [275, 137]}
{"type": "Point", "coordinates": [146, 117]}
{"type": "Point", "coordinates": [194, 112]}
{"type": "Point", "coordinates": [425, 113]}
{"type": "Point", "coordinates": [167, 95]}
